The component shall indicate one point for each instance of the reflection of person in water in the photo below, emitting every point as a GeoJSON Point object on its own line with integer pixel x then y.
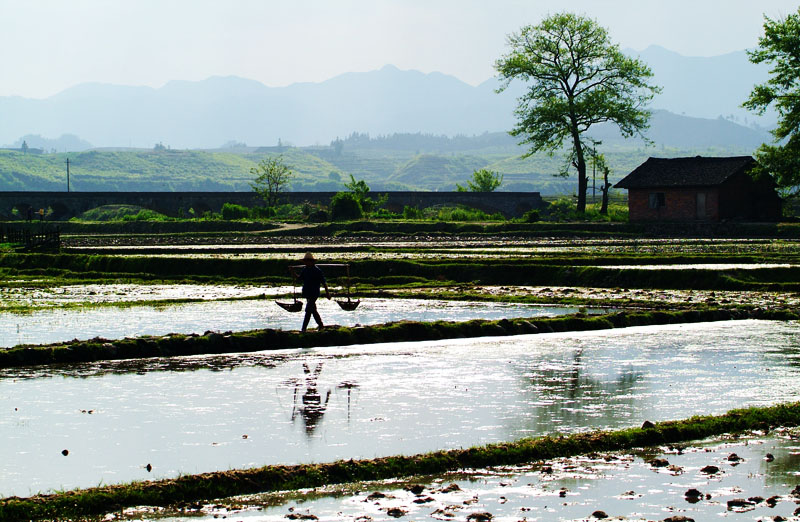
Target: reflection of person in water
{"type": "Point", "coordinates": [312, 407]}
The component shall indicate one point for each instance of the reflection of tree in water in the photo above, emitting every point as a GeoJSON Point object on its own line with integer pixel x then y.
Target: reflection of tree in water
{"type": "Point", "coordinates": [563, 398]}
{"type": "Point", "coordinates": [784, 468]}
{"type": "Point", "coordinates": [784, 352]}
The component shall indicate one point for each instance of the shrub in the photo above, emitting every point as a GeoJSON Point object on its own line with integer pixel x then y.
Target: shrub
{"type": "Point", "coordinates": [231, 211]}
{"type": "Point", "coordinates": [383, 213]}
{"type": "Point", "coordinates": [290, 212]}
{"type": "Point", "coordinates": [562, 209]}
{"type": "Point", "coordinates": [531, 216]}
{"type": "Point", "coordinates": [345, 205]}
{"type": "Point", "coordinates": [412, 213]}
{"type": "Point", "coordinates": [318, 216]}
{"type": "Point", "coordinates": [262, 212]}
{"type": "Point", "coordinates": [462, 213]}
{"type": "Point", "coordinates": [145, 215]}
{"type": "Point", "coordinates": [119, 213]}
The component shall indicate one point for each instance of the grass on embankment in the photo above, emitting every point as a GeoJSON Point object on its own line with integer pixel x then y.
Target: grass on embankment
{"type": "Point", "coordinates": [208, 486]}
{"type": "Point", "coordinates": [269, 339]}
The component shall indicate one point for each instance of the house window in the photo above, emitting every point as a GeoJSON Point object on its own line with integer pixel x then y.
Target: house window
{"type": "Point", "coordinates": [657, 200]}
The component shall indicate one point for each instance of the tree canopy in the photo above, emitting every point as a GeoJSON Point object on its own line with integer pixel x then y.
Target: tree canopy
{"type": "Point", "coordinates": [483, 180]}
{"type": "Point", "coordinates": [780, 47]}
{"type": "Point", "coordinates": [578, 78]}
{"type": "Point", "coordinates": [272, 178]}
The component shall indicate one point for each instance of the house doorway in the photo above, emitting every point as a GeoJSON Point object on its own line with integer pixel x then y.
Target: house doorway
{"type": "Point", "coordinates": [701, 205]}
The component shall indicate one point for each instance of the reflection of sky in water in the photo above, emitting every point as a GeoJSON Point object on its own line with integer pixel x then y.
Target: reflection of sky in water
{"type": "Point", "coordinates": [49, 326]}
{"type": "Point", "coordinates": [401, 398]}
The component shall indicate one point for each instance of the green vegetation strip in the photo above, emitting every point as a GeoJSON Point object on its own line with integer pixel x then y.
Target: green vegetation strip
{"type": "Point", "coordinates": [269, 339]}
{"type": "Point", "coordinates": [208, 486]}
{"type": "Point", "coordinates": [547, 229]}
{"type": "Point", "coordinates": [483, 271]}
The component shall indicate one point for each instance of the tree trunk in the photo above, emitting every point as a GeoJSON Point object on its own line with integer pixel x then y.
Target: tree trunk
{"type": "Point", "coordinates": [604, 190]}
{"type": "Point", "coordinates": [583, 181]}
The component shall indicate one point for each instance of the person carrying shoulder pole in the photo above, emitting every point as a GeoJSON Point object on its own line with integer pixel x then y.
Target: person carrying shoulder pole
{"type": "Point", "coordinates": [312, 278]}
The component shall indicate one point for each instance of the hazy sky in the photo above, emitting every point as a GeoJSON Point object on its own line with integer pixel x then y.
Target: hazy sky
{"type": "Point", "coordinates": [49, 45]}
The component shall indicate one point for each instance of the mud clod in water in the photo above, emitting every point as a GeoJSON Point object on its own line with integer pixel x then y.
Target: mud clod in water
{"type": "Point", "coordinates": [693, 495]}
{"type": "Point", "coordinates": [416, 489]}
{"type": "Point", "coordinates": [396, 512]}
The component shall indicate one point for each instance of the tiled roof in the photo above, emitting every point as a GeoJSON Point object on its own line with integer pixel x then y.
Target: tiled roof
{"type": "Point", "coordinates": [685, 172]}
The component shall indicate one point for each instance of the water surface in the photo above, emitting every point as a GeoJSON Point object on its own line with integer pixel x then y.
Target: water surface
{"type": "Point", "coordinates": [58, 325]}
{"type": "Point", "coordinates": [620, 484]}
{"type": "Point", "coordinates": [196, 414]}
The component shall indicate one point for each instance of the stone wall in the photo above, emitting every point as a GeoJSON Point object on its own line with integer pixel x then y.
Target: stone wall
{"type": "Point", "coordinates": [70, 204]}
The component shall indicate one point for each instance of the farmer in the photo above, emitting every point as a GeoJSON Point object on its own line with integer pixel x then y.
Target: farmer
{"type": "Point", "coordinates": [312, 278]}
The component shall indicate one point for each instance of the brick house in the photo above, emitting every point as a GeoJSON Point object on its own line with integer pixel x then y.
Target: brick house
{"type": "Point", "coordinates": [699, 189]}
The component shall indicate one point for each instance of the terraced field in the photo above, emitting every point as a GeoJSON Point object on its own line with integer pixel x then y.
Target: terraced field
{"type": "Point", "coordinates": [460, 340]}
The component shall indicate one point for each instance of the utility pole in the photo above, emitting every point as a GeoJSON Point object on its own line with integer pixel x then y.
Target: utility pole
{"type": "Point", "coordinates": [67, 174]}
{"type": "Point", "coordinates": [594, 164]}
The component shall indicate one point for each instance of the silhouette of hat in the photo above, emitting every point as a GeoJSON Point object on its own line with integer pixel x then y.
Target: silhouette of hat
{"type": "Point", "coordinates": [309, 258]}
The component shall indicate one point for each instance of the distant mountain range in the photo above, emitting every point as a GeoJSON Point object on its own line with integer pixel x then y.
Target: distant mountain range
{"type": "Point", "coordinates": [706, 87]}
{"type": "Point", "coordinates": [212, 112]}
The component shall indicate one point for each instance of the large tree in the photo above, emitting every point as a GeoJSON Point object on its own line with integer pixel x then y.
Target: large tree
{"type": "Point", "coordinates": [578, 78]}
{"type": "Point", "coordinates": [780, 47]}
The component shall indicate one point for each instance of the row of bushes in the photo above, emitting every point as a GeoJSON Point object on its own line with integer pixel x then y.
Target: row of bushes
{"type": "Point", "coordinates": [348, 206]}
{"type": "Point", "coordinates": [344, 206]}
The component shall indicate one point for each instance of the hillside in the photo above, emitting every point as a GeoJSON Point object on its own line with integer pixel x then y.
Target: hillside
{"type": "Point", "coordinates": [395, 162]}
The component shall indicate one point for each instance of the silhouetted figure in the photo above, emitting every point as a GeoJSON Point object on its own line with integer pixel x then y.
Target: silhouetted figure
{"type": "Point", "coordinates": [312, 278]}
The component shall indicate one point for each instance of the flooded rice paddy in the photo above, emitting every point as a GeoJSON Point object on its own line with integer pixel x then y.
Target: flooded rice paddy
{"type": "Point", "coordinates": [702, 266]}
{"type": "Point", "coordinates": [67, 295]}
{"type": "Point", "coordinates": [435, 246]}
{"type": "Point", "coordinates": [64, 324]}
{"type": "Point", "coordinates": [190, 415]}
{"type": "Point", "coordinates": [752, 486]}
